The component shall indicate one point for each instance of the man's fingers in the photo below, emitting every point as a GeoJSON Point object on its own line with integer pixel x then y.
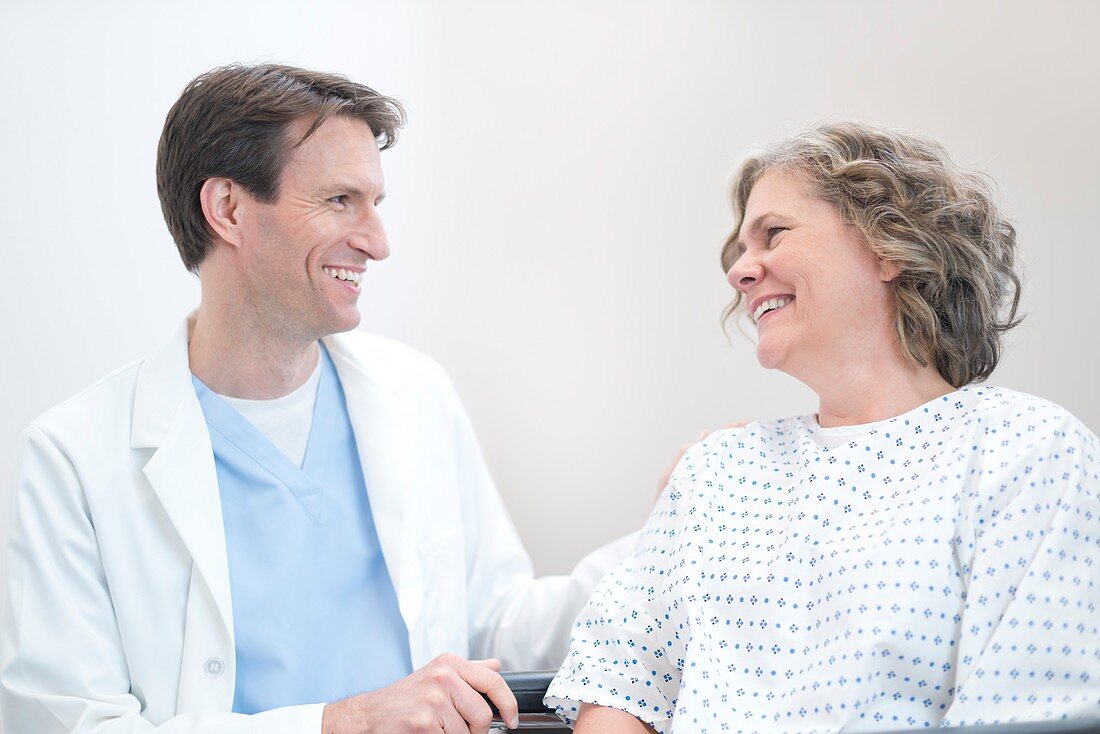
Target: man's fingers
{"type": "Point", "coordinates": [473, 708]}
{"type": "Point", "coordinates": [453, 723]}
{"type": "Point", "coordinates": [490, 663]}
{"type": "Point", "coordinates": [485, 680]}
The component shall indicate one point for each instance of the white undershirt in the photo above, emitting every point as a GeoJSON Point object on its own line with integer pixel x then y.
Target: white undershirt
{"type": "Point", "coordinates": [830, 438]}
{"type": "Point", "coordinates": [285, 421]}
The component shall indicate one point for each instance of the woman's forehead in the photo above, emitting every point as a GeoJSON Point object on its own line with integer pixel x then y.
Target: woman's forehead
{"type": "Point", "coordinates": [781, 192]}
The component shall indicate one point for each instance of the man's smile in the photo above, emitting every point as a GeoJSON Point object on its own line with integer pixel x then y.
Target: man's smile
{"type": "Point", "coordinates": [352, 277]}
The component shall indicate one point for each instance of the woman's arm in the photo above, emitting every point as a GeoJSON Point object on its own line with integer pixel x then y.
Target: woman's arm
{"type": "Point", "coordinates": [603, 720]}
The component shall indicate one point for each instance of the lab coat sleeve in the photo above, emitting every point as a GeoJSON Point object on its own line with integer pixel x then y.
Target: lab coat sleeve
{"type": "Point", "coordinates": [62, 663]}
{"type": "Point", "coordinates": [522, 620]}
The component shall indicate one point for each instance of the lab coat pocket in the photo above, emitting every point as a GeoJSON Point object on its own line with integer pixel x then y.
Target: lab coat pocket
{"type": "Point", "coordinates": [443, 559]}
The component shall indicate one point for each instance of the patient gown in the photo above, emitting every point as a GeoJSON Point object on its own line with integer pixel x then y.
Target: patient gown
{"type": "Point", "coordinates": [937, 568]}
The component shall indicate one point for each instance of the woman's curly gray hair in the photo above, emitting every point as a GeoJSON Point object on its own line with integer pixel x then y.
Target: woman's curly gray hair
{"type": "Point", "coordinates": [957, 290]}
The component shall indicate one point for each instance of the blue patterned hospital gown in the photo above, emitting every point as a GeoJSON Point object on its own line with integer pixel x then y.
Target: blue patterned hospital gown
{"type": "Point", "coordinates": [939, 567]}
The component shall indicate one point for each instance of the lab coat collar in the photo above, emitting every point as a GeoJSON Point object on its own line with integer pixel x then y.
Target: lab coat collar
{"type": "Point", "coordinates": [163, 383]}
{"type": "Point", "coordinates": [168, 418]}
{"type": "Point", "coordinates": [386, 444]}
{"type": "Point", "coordinates": [383, 374]}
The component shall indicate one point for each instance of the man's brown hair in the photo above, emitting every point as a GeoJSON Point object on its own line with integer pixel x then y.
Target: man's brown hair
{"type": "Point", "coordinates": [234, 122]}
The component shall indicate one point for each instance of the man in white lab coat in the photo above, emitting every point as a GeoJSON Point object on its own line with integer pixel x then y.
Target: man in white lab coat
{"type": "Point", "coordinates": [191, 531]}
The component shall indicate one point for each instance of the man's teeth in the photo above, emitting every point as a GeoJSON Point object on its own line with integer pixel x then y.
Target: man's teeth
{"type": "Point", "coordinates": [349, 275]}
{"type": "Point", "coordinates": [768, 305]}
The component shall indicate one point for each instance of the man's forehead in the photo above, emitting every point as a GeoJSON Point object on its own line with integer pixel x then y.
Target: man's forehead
{"type": "Point", "coordinates": [340, 145]}
{"type": "Point", "coordinates": [337, 132]}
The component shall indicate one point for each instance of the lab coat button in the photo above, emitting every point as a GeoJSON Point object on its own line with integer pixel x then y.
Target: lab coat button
{"type": "Point", "coordinates": [214, 667]}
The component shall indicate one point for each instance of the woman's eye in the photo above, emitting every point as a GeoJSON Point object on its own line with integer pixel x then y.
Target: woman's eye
{"type": "Point", "coordinates": [773, 231]}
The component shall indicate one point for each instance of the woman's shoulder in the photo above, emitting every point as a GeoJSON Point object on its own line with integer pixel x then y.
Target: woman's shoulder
{"type": "Point", "coordinates": [1024, 412]}
{"type": "Point", "coordinates": [1018, 432]}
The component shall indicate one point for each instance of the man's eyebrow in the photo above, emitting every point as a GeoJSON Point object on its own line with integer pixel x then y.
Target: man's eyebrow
{"type": "Point", "coordinates": [340, 188]}
{"type": "Point", "coordinates": [350, 190]}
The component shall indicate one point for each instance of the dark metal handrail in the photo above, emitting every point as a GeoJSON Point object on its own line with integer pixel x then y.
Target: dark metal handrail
{"type": "Point", "coordinates": [529, 688]}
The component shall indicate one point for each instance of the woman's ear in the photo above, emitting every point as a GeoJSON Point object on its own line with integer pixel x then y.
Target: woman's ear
{"type": "Point", "coordinates": [887, 270]}
{"type": "Point", "coordinates": [221, 203]}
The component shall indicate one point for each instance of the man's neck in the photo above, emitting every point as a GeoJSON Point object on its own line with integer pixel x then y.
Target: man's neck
{"type": "Point", "coordinates": [248, 363]}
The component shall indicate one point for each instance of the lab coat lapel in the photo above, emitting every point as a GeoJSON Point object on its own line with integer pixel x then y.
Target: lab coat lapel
{"type": "Point", "coordinates": [384, 439]}
{"type": "Point", "coordinates": [168, 418]}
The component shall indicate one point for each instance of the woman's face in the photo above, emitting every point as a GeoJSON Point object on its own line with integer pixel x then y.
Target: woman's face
{"type": "Point", "coordinates": [817, 295]}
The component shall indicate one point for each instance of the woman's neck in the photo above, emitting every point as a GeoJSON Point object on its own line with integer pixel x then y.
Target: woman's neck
{"type": "Point", "coordinates": [870, 393]}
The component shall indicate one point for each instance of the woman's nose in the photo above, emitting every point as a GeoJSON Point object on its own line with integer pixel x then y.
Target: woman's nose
{"type": "Point", "coordinates": [745, 273]}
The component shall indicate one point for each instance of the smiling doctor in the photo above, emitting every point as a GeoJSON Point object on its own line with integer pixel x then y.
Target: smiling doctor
{"type": "Point", "coordinates": [274, 523]}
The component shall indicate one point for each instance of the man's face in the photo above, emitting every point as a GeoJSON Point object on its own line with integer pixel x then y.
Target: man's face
{"type": "Point", "coordinates": [302, 257]}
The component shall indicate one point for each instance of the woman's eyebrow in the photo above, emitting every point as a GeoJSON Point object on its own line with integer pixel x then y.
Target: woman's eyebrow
{"type": "Point", "coordinates": [757, 224]}
{"type": "Point", "coordinates": [753, 227]}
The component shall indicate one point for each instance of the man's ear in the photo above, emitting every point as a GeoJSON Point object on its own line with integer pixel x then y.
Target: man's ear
{"type": "Point", "coordinates": [221, 205]}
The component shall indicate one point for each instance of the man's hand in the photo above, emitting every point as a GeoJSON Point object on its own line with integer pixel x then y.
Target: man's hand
{"type": "Point", "coordinates": [668, 472]}
{"type": "Point", "coordinates": [442, 697]}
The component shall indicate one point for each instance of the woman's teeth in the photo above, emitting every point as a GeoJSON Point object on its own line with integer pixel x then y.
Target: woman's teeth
{"type": "Point", "coordinates": [769, 305]}
{"type": "Point", "coordinates": [349, 275]}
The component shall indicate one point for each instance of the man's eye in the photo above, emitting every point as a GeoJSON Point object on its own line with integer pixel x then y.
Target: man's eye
{"type": "Point", "coordinates": [341, 199]}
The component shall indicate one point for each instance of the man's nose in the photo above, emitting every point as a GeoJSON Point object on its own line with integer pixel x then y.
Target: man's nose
{"type": "Point", "coordinates": [370, 235]}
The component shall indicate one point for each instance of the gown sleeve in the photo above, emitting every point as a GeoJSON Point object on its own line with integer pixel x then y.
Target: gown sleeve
{"type": "Point", "coordinates": [629, 643]}
{"type": "Point", "coordinates": [1028, 551]}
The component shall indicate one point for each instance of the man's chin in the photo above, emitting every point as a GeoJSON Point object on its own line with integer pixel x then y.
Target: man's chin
{"type": "Point", "coordinates": [339, 323]}
{"type": "Point", "coordinates": [348, 324]}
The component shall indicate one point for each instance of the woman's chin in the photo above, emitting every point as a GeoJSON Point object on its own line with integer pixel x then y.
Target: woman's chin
{"type": "Point", "coordinates": [768, 355]}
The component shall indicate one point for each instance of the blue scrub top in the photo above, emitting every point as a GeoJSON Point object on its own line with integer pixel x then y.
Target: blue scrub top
{"type": "Point", "coordinates": [315, 614]}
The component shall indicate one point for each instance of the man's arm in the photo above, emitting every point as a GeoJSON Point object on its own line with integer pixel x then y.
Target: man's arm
{"type": "Point", "coordinates": [523, 621]}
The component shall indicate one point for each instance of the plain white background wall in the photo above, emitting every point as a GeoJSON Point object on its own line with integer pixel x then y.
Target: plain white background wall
{"type": "Point", "coordinates": [556, 205]}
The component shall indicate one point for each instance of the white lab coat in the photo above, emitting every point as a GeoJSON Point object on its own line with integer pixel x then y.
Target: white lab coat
{"type": "Point", "coordinates": [119, 613]}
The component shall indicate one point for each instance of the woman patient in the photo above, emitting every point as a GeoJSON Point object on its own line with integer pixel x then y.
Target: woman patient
{"type": "Point", "coordinates": [922, 551]}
